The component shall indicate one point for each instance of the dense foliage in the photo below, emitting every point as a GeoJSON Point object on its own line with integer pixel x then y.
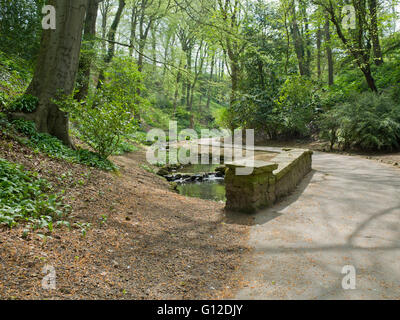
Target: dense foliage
{"type": "Point", "coordinates": [20, 27]}
{"type": "Point", "coordinates": [56, 149]}
{"type": "Point", "coordinates": [25, 103]}
{"type": "Point", "coordinates": [366, 121]}
{"type": "Point", "coordinates": [24, 197]}
{"type": "Point", "coordinates": [108, 116]}
{"type": "Point", "coordinates": [288, 68]}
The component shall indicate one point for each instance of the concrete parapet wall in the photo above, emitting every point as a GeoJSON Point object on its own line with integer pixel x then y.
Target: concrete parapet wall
{"type": "Point", "coordinates": [268, 182]}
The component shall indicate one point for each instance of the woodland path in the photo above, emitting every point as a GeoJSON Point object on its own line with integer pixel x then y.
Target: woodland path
{"type": "Point", "coordinates": [345, 212]}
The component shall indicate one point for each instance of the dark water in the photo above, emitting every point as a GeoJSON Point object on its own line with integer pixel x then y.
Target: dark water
{"type": "Point", "coordinates": [209, 190]}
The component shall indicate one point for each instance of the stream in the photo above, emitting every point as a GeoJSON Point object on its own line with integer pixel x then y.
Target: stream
{"type": "Point", "coordinates": [201, 182]}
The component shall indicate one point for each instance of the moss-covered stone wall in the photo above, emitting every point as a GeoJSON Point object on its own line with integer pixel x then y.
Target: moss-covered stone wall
{"type": "Point", "coordinates": [268, 182]}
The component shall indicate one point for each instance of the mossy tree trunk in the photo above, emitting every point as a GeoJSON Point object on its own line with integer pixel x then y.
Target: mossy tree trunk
{"type": "Point", "coordinates": [111, 39]}
{"type": "Point", "coordinates": [329, 54]}
{"type": "Point", "coordinates": [57, 67]}
{"type": "Point", "coordinates": [88, 53]}
{"type": "Point", "coordinates": [374, 30]}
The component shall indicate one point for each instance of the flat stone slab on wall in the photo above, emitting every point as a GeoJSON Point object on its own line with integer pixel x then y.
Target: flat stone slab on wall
{"type": "Point", "coordinates": [268, 182]}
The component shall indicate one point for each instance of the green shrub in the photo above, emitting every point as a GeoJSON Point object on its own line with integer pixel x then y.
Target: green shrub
{"type": "Point", "coordinates": [56, 149]}
{"type": "Point", "coordinates": [25, 127]}
{"type": "Point", "coordinates": [25, 103]}
{"type": "Point", "coordinates": [124, 147]}
{"type": "Point", "coordinates": [109, 115]}
{"type": "Point", "coordinates": [367, 121]}
{"type": "Point", "coordinates": [329, 125]}
{"type": "Point", "coordinates": [13, 64]}
{"type": "Point", "coordinates": [225, 118]}
{"type": "Point", "coordinates": [295, 107]}
{"type": "Point", "coordinates": [3, 100]}
{"type": "Point", "coordinates": [104, 125]}
{"type": "Point", "coordinates": [287, 111]}
{"type": "Point", "coordinates": [182, 117]}
{"type": "Point", "coordinates": [387, 77]}
{"type": "Point", "coordinates": [155, 117]}
{"type": "Point", "coordinates": [24, 198]}
{"type": "Point", "coordinates": [20, 27]}
{"type": "Point", "coordinates": [140, 137]}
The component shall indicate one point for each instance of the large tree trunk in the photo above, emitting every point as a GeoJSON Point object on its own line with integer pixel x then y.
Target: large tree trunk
{"type": "Point", "coordinates": [104, 10]}
{"type": "Point", "coordinates": [142, 46]}
{"type": "Point", "coordinates": [154, 46]}
{"type": "Point", "coordinates": [56, 68]}
{"type": "Point", "coordinates": [378, 59]}
{"type": "Point", "coordinates": [299, 46]}
{"type": "Point", "coordinates": [359, 49]}
{"type": "Point", "coordinates": [209, 84]}
{"type": "Point", "coordinates": [394, 14]}
{"type": "Point", "coordinates": [319, 37]}
{"type": "Point", "coordinates": [133, 30]}
{"type": "Point", "coordinates": [329, 52]}
{"type": "Point", "coordinates": [198, 68]}
{"type": "Point", "coordinates": [178, 79]}
{"type": "Point", "coordinates": [88, 54]}
{"type": "Point", "coordinates": [111, 39]}
{"type": "Point", "coordinates": [113, 31]}
{"type": "Point", "coordinates": [234, 82]}
{"type": "Point", "coordinates": [307, 42]}
{"type": "Point", "coordinates": [189, 86]}
{"type": "Point", "coordinates": [366, 70]}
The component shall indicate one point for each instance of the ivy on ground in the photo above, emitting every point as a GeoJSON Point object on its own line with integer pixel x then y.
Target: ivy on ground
{"type": "Point", "coordinates": [54, 148]}
{"type": "Point", "coordinates": [26, 198]}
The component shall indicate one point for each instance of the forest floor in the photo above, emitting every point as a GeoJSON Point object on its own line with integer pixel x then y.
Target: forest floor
{"type": "Point", "coordinates": [143, 242]}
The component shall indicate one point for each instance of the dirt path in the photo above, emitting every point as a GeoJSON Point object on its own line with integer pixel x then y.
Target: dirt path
{"type": "Point", "coordinates": [345, 212]}
{"type": "Point", "coordinates": [142, 241]}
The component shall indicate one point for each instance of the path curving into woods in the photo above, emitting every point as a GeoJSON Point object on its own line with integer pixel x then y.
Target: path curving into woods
{"type": "Point", "coordinates": [345, 212]}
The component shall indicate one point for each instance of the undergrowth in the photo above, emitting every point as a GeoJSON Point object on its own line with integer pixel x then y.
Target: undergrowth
{"type": "Point", "coordinates": [124, 145]}
{"type": "Point", "coordinates": [25, 198]}
{"type": "Point", "coordinates": [54, 148]}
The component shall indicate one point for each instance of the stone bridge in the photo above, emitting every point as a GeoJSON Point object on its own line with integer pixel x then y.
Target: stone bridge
{"type": "Point", "coordinates": [268, 182]}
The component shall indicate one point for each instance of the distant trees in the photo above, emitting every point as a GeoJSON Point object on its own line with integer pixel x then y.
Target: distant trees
{"type": "Point", "coordinates": [231, 60]}
{"type": "Point", "coordinates": [20, 27]}
{"type": "Point", "coordinates": [357, 41]}
{"type": "Point", "coordinates": [88, 52]}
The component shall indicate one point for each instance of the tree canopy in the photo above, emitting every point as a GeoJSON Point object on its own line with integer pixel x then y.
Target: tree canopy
{"type": "Point", "coordinates": [281, 67]}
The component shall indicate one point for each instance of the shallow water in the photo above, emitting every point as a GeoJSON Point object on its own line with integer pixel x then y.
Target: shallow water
{"type": "Point", "coordinates": [213, 189]}
{"type": "Point", "coordinates": [209, 190]}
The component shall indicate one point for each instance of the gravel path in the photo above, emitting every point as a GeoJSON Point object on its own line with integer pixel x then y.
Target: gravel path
{"type": "Point", "coordinates": [345, 212]}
